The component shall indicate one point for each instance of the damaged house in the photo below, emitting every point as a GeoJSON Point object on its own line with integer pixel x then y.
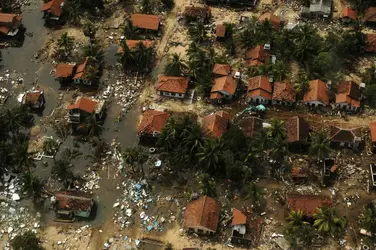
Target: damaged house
{"type": "Point", "coordinates": [345, 138]}
{"type": "Point", "coordinates": [372, 128]}
{"type": "Point", "coordinates": [317, 8]}
{"type": "Point", "coordinates": [196, 13]}
{"type": "Point", "coordinates": [239, 228]}
{"type": "Point", "coordinates": [308, 204]}
{"type": "Point", "coordinates": [9, 25]}
{"type": "Point", "coordinates": [348, 96]}
{"type": "Point", "coordinates": [151, 124]}
{"type": "Point", "coordinates": [172, 86]}
{"type": "Point", "coordinates": [224, 88]}
{"type": "Point", "coordinates": [202, 215]}
{"type": "Point", "coordinates": [64, 73]}
{"type": "Point", "coordinates": [34, 99]}
{"type": "Point", "coordinates": [73, 204]}
{"type": "Point", "coordinates": [273, 19]}
{"type": "Point", "coordinates": [369, 17]}
{"type": "Point", "coordinates": [83, 108]}
{"type": "Point", "coordinates": [53, 10]}
{"type": "Point", "coordinates": [250, 125]}
{"type": "Point", "coordinates": [297, 131]}
{"type": "Point", "coordinates": [220, 70]}
{"type": "Point", "coordinates": [86, 71]}
{"type": "Point", "coordinates": [216, 125]}
{"type": "Point", "coordinates": [256, 56]}
{"type": "Point", "coordinates": [259, 90]}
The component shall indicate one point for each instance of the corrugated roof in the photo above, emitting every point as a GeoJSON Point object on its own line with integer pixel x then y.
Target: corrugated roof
{"type": "Point", "coordinates": [74, 201]}
{"type": "Point", "coordinates": [173, 84]}
{"type": "Point", "coordinates": [152, 121]}
{"type": "Point", "coordinates": [64, 70]}
{"type": "Point", "coordinates": [297, 130]}
{"type": "Point", "coordinates": [317, 92]}
{"type": "Point", "coordinates": [203, 212]}
{"type": "Point", "coordinates": [144, 21]}
{"type": "Point", "coordinates": [284, 91]}
{"type": "Point", "coordinates": [224, 84]}
{"type": "Point", "coordinates": [238, 218]}
{"type": "Point", "coordinates": [221, 69]}
{"type": "Point", "coordinates": [308, 204]}
{"type": "Point", "coordinates": [84, 104]}
{"type": "Point", "coordinates": [216, 124]}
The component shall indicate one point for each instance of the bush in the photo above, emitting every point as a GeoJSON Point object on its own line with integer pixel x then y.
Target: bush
{"type": "Point", "coordinates": [27, 241]}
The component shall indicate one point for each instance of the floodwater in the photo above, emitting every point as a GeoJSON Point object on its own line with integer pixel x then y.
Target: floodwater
{"type": "Point", "coordinates": [21, 61]}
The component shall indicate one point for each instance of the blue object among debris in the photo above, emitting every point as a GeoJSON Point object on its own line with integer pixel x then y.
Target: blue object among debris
{"type": "Point", "coordinates": [149, 228]}
{"type": "Point", "coordinates": [138, 186]}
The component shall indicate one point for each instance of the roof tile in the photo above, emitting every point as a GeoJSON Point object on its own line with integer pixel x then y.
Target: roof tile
{"type": "Point", "coordinates": [144, 21]}
{"type": "Point", "coordinates": [152, 121]}
{"type": "Point", "coordinates": [173, 84]}
{"type": "Point", "coordinates": [284, 91]}
{"type": "Point", "coordinates": [216, 124]}
{"type": "Point", "coordinates": [317, 92]}
{"type": "Point", "coordinates": [308, 204]}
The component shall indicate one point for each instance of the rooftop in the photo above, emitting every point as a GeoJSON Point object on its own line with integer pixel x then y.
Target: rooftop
{"type": "Point", "coordinates": [173, 84]}
{"type": "Point", "coordinates": [144, 21]}
{"type": "Point", "coordinates": [308, 204]}
{"type": "Point", "coordinates": [275, 20]}
{"type": "Point", "coordinates": [350, 13]}
{"type": "Point", "coordinates": [250, 125]}
{"type": "Point", "coordinates": [216, 124]}
{"type": "Point", "coordinates": [80, 71]}
{"type": "Point", "coordinates": [74, 201]}
{"type": "Point", "coordinates": [370, 43]}
{"type": "Point", "coordinates": [32, 97]}
{"type": "Point", "coordinates": [203, 212]}
{"type": "Point", "coordinates": [220, 30]}
{"type": "Point", "coordinates": [297, 129]}
{"type": "Point", "coordinates": [224, 84]}
{"type": "Point", "coordinates": [54, 7]}
{"type": "Point", "coordinates": [344, 135]}
{"type": "Point", "coordinates": [64, 70]}
{"type": "Point", "coordinates": [372, 127]}
{"type": "Point", "coordinates": [87, 105]}
{"type": "Point", "coordinates": [197, 11]}
{"type": "Point", "coordinates": [221, 69]}
{"type": "Point", "coordinates": [152, 121]}
{"type": "Point", "coordinates": [284, 91]}
{"type": "Point", "coordinates": [317, 92]}
{"type": "Point", "coordinates": [238, 217]}
{"type": "Point", "coordinates": [370, 15]}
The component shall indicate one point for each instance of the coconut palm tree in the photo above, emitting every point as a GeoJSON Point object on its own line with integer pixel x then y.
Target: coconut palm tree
{"type": "Point", "coordinates": [65, 41]}
{"type": "Point", "coordinates": [130, 31]}
{"type": "Point", "coordinates": [92, 50]}
{"type": "Point", "coordinates": [210, 154]}
{"type": "Point", "coordinates": [367, 218]}
{"type": "Point", "coordinates": [90, 31]}
{"type": "Point", "coordinates": [296, 218]}
{"type": "Point", "coordinates": [92, 126]}
{"type": "Point", "coordinates": [207, 185]}
{"type": "Point", "coordinates": [91, 74]}
{"type": "Point", "coordinates": [28, 239]}
{"type": "Point", "coordinates": [320, 145]}
{"type": "Point", "coordinates": [130, 157]}
{"type": "Point", "coordinates": [125, 56]}
{"type": "Point", "coordinates": [277, 129]}
{"type": "Point", "coordinates": [141, 158]}
{"type": "Point", "coordinates": [193, 139]}
{"type": "Point", "coordinates": [146, 6]}
{"type": "Point", "coordinates": [12, 120]}
{"type": "Point", "coordinates": [32, 185]}
{"type": "Point", "coordinates": [175, 66]}
{"type": "Point", "coordinates": [280, 70]}
{"type": "Point", "coordinates": [197, 32]}
{"type": "Point", "coordinates": [327, 221]}
{"type": "Point", "coordinates": [62, 170]}
{"type": "Point", "coordinates": [302, 84]}
{"type": "Point", "coordinates": [143, 56]}
{"type": "Point", "coordinates": [73, 12]}
{"type": "Point", "coordinates": [50, 146]}
{"type": "Point", "coordinates": [254, 192]}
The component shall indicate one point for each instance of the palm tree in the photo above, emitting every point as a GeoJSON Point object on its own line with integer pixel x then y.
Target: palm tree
{"type": "Point", "coordinates": [125, 56]}
{"type": "Point", "coordinates": [141, 158]}
{"type": "Point", "coordinates": [92, 126]}
{"type": "Point", "coordinates": [62, 169]}
{"type": "Point", "coordinates": [320, 145]}
{"type": "Point", "coordinates": [143, 56]}
{"type": "Point", "coordinates": [207, 185]}
{"type": "Point", "coordinates": [31, 184]}
{"type": "Point", "coordinates": [302, 84]}
{"type": "Point", "coordinates": [130, 31]}
{"type": "Point", "coordinates": [70, 154]}
{"type": "Point", "coordinates": [296, 218]}
{"type": "Point", "coordinates": [277, 129]}
{"type": "Point", "coordinates": [367, 219]}
{"type": "Point", "coordinates": [73, 11]}
{"type": "Point", "coordinates": [91, 74]}
{"type": "Point", "coordinates": [193, 139]}
{"type": "Point", "coordinates": [130, 157]}
{"type": "Point", "coordinates": [90, 31]}
{"type": "Point", "coordinates": [197, 32]}
{"type": "Point", "coordinates": [92, 50]}
{"type": "Point", "coordinates": [65, 41]}
{"type": "Point", "coordinates": [168, 138]}
{"type": "Point", "coordinates": [12, 120]}
{"type": "Point", "coordinates": [369, 76]}
{"type": "Point", "coordinates": [99, 148]}
{"type": "Point", "coordinates": [254, 192]}
{"type": "Point", "coordinates": [146, 6]}
{"type": "Point", "coordinates": [50, 146]}
{"type": "Point", "coordinates": [179, 158]}
{"type": "Point", "coordinates": [280, 71]}
{"type": "Point", "coordinates": [327, 221]}
{"type": "Point", "coordinates": [210, 154]}
{"type": "Point", "coordinates": [175, 66]}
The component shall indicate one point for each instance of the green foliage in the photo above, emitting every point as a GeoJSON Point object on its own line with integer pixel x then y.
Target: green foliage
{"type": "Point", "coordinates": [302, 84]}
{"type": "Point", "coordinates": [370, 94]}
{"type": "Point", "coordinates": [31, 185]}
{"type": "Point", "coordinates": [327, 221]}
{"type": "Point", "coordinates": [301, 236]}
{"type": "Point", "coordinates": [130, 31]}
{"type": "Point", "coordinates": [197, 32]}
{"type": "Point", "coordinates": [26, 241]}
{"type": "Point", "coordinates": [50, 146]}
{"type": "Point", "coordinates": [209, 156]}
{"type": "Point", "coordinates": [207, 185]}
{"type": "Point", "coordinates": [75, 9]}
{"type": "Point", "coordinates": [62, 170]}
{"type": "Point", "coordinates": [168, 4]}
{"type": "Point", "coordinates": [136, 157]}
{"type": "Point", "coordinates": [175, 66]}
{"type": "Point", "coordinates": [140, 58]}
{"type": "Point", "coordinates": [253, 192]}
{"type": "Point", "coordinates": [90, 30]}
{"type": "Point", "coordinates": [169, 247]}
{"type": "Point", "coordinates": [367, 219]}
{"type": "Point", "coordinates": [320, 145]}
{"type": "Point", "coordinates": [234, 139]}
{"type": "Point", "coordinates": [92, 125]}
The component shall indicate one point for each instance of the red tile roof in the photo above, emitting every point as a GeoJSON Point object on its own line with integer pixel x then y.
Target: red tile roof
{"type": "Point", "coordinates": [80, 71]}
{"type": "Point", "coordinates": [276, 21]}
{"type": "Point", "coordinates": [197, 11]}
{"type": "Point", "coordinates": [221, 69]}
{"type": "Point", "coordinates": [250, 125]}
{"type": "Point", "coordinates": [259, 86]}
{"type": "Point", "coordinates": [173, 84]}
{"type": "Point", "coordinates": [344, 135]}
{"type": "Point", "coordinates": [33, 97]}
{"type": "Point", "coordinates": [370, 15]}
{"type": "Point", "coordinates": [64, 70]}
{"type": "Point", "coordinates": [370, 43]}
{"type": "Point", "coordinates": [216, 124]}
{"type": "Point", "coordinates": [238, 218]}
{"type": "Point", "coordinates": [349, 13]}
{"type": "Point", "coordinates": [297, 129]}
{"type": "Point", "coordinates": [132, 44]}
{"type": "Point", "coordinates": [256, 56]}
{"type": "Point", "coordinates": [144, 21]}
{"type": "Point", "coordinates": [53, 7]}
{"type": "Point", "coordinates": [152, 121]}
{"type": "Point", "coordinates": [224, 84]}
{"type": "Point", "coordinates": [215, 95]}
{"type": "Point", "coordinates": [349, 88]}
{"type": "Point", "coordinates": [84, 104]}
{"type": "Point", "coordinates": [372, 128]}
{"type": "Point", "coordinates": [284, 91]}
{"type": "Point", "coordinates": [9, 18]}
{"type": "Point", "coordinates": [308, 204]}
{"type": "Point", "coordinates": [74, 201]}
{"type": "Point", "coordinates": [317, 92]}
{"type": "Point", "coordinates": [203, 212]}
{"type": "Point", "coordinates": [220, 30]}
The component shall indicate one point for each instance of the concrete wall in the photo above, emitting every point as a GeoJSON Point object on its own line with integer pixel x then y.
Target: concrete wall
{"type": "Point", "coordinates": [169, 94]}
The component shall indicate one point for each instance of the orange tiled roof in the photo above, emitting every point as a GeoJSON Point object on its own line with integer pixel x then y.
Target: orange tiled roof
{"type": "Point", "coordinates": [197, 11]}
{"type": "Point", "coordinates": [173, 84]}
{"type": "Point", "coordinates": [349, 88]}
{"type": "Point", "coordinates": [84, 104]}
{"type": "Point", "coordinates": [33, 97]}
{"type": "Point", "coordinates": [80, 72]}
{"type": "Point", "coordinates": [9, 18]}
{"type": "Point", "coordinates": [317, 92]}
{"type": "Point", "coordinates": [350, 13]}
{"type": "Point", "coordinates": [372, 127]}
{"type": "Point", "coordinates": [152, 121]}
{"type": "Point", "coordinates": [64, 70]}
{"type": "Point", "coordinates": [224, 84]}
{"type": "Point", "coordinates": [220, 30]}
{"type": "Point", "coordinates": [132, 44]}
{"type": "Point", "coordinates": [308, 204]}
{"type": "Point", "coordinates": [250, 125]}
{"type": "Point", "coordinates": [284, 91]}
{"type": "Point", "coordinates": [221, 69]}
{"type": "Point", "coordinates": [276, 21]}
{"type": "Point", "coordinates": [4, 29]}
{"type": "Point", "coordinates": [370, 15]}
{"type": "Point", "coordinates": [203, 212]}
{"type": "Point", "coordinates": [260, 92]}
{"type": "Point", "coordinates": [144, 21]}
{"type": "Point", "coordinates": [216, 124]}
{"type": "Point", "coordinates": [74, 201]}
{"type": "Point", "coordinates": [238, 218]}
{"type": "Point", "coordinates": [257, 53]}
{"type": "Point", "coordinates": [259, 82]}
{"type": "Point", "coordinates": [344, 135]}
{"type": "Point", "coordinates": [297, 129]}
{"type": "Point", "coordinates": [53, 7]}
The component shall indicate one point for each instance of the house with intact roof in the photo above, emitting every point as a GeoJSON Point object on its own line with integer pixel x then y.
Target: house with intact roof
{"type": "Point", "coordinates": [370, 46]}
{"type": "Point", "coordinates": [256, 56]}
{"type": "Point", "coordinates": [250, 125]}
{"type": "Point", "coordinates": [73, 204]}
{"type": "Point", "coordinates": [145, 21]}
{"type": "Point", "coordinates": [297, 131]}
{"type": "Point", "coordinates": [202, 215]}
{"type": "Point", "coordinates": [53, 10]}
{"type": "Point", "coordinates": [220, 32]}
{"type": "Point", "coordinates": [308, 204]}
{"type": "Point", "coordinates": [64, 72]}
{"type": "Point", "coordinates": [220, 70]}
{"type": "Point", "coordinates": [84, 107]}
{"type": "Point", "coordinates": [344, 137]}
{"type": "Point", "coordinates": [34, 99]}
{"type": "Point", "coordinates": [224, 88]}
{"type": "Point", "coordinates": [151, 124]}
{"type": "Point", "coordinates": [259, 90]}
{"type": "Point", "coordinates": [283, 93]}
{"type": "Point", "coordinates": [275, 20]}
{"type": "Point", "coordinates": [348, 96]}
{"type": "Point", "coordinates": [216, 124]}
{"type": "Point", "coordinates": [9, 25]}
{"type": "Point", "coordinates": [172, 86]}
{"type": "Point", "coordinates": [348, 15]}
{"type": "Point", "coordinates": [317, 94]}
